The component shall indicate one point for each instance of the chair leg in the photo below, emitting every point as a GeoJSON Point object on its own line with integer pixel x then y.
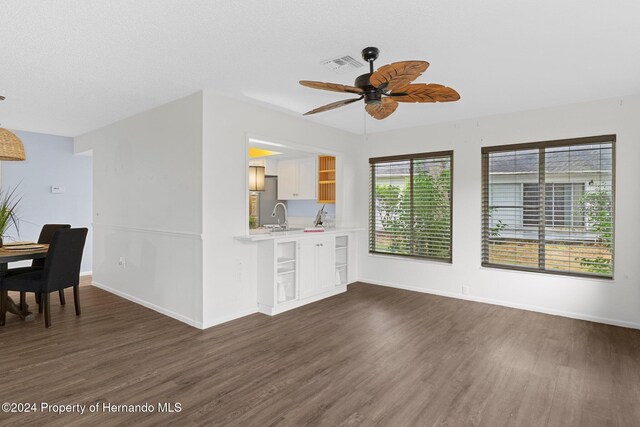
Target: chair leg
{"type": "Point", "coordinates": [38, 298]}
{"type": "Point", "coordinates": [23, 302]}
{"type": "Point", "coordinates": [47, 309]}
{"type": "Point", "coordinates": [3, 307]}
{"type": "Point", "coordinates": [40, 302]}
{"type": "Point", "coordinates": [76, 298]}
{"type": "Point", "coordinates": [61, 293]}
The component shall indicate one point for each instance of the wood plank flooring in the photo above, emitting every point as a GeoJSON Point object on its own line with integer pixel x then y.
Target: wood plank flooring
{"type": "Point", "coordinates": [373, 356]}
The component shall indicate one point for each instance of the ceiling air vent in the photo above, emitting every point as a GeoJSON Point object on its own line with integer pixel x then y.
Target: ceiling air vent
{"type": "Point", "coordinates": [342, 64]}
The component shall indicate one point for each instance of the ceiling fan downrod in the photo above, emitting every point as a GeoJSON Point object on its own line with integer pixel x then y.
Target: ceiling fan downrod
{"type": "Point", "coordinates": [370, 54]}
{"type": "Point", "coordinates": [371, 94]}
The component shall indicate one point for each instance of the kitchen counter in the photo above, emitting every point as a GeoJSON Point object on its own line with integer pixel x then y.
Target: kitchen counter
{"type": "Point", "coordinates": [294, 234]}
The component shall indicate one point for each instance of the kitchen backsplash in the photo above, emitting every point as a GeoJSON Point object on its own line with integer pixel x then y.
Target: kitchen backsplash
{"type": "Point", "coordinates": [303, 212]}
{"type": "Point", "coordinates": [308, 208]}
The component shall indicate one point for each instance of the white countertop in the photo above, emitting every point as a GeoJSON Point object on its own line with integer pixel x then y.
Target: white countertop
{"type": "Point", "coordinates": [294, 234]}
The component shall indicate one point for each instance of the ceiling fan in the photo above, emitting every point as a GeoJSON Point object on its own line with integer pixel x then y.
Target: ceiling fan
{"type": "Point", "coordinates": [384, 88]}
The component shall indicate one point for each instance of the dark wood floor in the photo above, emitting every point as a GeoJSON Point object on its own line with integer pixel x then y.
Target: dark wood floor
{"type": "Point", "coordinates": [371, 356]}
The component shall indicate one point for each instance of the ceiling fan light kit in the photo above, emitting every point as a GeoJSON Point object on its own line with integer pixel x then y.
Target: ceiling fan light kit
{"type": "Point", "coordinates": [384, 88]}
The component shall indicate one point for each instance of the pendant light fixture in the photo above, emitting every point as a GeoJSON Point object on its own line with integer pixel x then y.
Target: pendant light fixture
{"type": "Point", "coordinates": [11, 147]}
{"type": "Point", "coordinates": [256, 178]}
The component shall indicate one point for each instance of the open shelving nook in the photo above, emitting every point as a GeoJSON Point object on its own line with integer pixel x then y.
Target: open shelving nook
{"type": "Point", "coordinates": [342, 260]}
{"type": "Point", "coordinates": [286, 289]}
{"type": "Point", "coordinates": [326, 179]}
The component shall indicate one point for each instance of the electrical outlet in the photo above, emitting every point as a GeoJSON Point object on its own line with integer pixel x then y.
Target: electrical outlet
{"type": "Point", "coordinates": [122, 262]}
{"type": "Point", "coordinates": [465, 290]}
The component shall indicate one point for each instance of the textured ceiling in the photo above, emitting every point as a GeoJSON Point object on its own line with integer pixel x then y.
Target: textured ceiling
{"type": "Point", "coordinates": [71, 66]}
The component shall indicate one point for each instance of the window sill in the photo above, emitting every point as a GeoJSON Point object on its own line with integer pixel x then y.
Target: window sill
{"type": "Point", "coordinates": [411, 258]}
{"type": "Point", "coordinates": [493, 267]}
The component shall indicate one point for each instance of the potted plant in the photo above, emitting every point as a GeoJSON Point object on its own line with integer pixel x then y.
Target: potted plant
{"type": "Point", "coordinates": [9, 201]}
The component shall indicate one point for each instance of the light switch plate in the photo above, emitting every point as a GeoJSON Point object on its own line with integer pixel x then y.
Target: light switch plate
{"type": "Point", "coordinates": [58, 189]}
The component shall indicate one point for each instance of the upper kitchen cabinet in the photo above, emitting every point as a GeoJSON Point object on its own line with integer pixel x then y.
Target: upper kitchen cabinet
{"type": "Point", "coordinates": [297, 179]}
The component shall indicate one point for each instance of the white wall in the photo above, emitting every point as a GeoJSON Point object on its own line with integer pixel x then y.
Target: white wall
{"type": "Point", "coordinates": [610, 301]}
{"type": "Point", "coordinates": [147, 174]}
{"type": "Point", "coordinates": [51, 161]}
{"type": "Point", "coordinates": [170, 195]}
{"type": "Point", "coordinates": [229, 273]}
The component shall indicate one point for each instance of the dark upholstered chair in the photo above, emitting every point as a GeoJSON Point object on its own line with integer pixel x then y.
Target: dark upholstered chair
{"type": "Point", "coordinates": [61, 270]}
{"type": "Point", "coordinates": [46, 234]}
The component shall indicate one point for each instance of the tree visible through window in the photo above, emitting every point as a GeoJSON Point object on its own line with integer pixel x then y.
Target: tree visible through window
{"type": "Point", "coordinates": [410, 212]}
{"type": "Point", "coordinates": [565, 227]}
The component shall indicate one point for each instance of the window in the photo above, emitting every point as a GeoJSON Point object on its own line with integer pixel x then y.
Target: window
{"type": "Point", "coordinates": [410, 205]}
{"type": "Point", "coordinates": [530, 201]}
{"type": "Point", "coordinates": [562, 204]}
{"type": "Point", "coordinates": [567, 227]}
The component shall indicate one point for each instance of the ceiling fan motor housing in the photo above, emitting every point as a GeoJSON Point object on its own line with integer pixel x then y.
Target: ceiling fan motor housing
{"type": "Point", "coordinates": [371, 94]}
{"type": "Point", "coordinates": [372, 97]}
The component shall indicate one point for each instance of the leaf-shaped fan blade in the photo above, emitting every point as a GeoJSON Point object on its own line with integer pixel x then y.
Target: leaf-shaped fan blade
{"type": "Point", "coordinates": [422, 92]}
{"type": "Point", "coordinates": [383, 110]}
{"type": "Point", "coordinates": [333, 87]}
{"type": "Point", "coordinates": [332, 106]}
{"type": "Point", "coordinates": [398, 74]}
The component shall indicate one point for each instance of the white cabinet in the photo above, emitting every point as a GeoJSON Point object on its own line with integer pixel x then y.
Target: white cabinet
{"type": "Point", "coordinates": [307, 179]}
{"type": "Point", "coordinates": [317, 265]}
{"type": "Point", "coordinates": [294, 271]}
{"type": "Point", "coordinates": [297, 179]}
{"type": "Point", "coordinates": [287, 179]}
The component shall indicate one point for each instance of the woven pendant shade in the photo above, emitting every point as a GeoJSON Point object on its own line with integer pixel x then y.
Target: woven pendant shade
{"type": "Point", "coordinates": [11, 147]}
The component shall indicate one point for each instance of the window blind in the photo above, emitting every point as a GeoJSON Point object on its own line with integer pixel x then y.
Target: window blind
{"type": "Point", "coordinates": [549, 206]}
{"type": "Point", "coordinates": [410, 205]}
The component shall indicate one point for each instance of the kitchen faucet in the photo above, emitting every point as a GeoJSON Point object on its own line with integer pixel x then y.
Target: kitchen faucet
{"type": "Point", "coordinates": [286, 215]}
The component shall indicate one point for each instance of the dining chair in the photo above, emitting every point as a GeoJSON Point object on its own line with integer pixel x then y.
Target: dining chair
{"type": "Point", "coordinates": [61, 270]}
{"type": "Point", "coordinates": [46, 234]}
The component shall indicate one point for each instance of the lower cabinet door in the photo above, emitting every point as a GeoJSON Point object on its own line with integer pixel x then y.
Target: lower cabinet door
{"type": "Point", "coordinates": [307, 267]}
{"type": "Point", "coordinates": [326, 264]}
{"type": "Point", "coordinates": [317, 266]}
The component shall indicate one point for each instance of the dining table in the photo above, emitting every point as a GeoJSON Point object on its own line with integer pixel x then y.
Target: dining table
{"type": "Point", "coordinates": [20, 252]}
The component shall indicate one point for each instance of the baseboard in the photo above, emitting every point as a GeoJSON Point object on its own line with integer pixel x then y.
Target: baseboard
{"type": "Point", "coordinates": [86, 273]}
{"type": "Point", "coordinates": [152, 306]}
{"type": "Point", "coordinates": [290, 305]}
{"type": "Point", "coordinates": [228, 318]}
{"type": "Point", "coordinates": [538, 309]}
